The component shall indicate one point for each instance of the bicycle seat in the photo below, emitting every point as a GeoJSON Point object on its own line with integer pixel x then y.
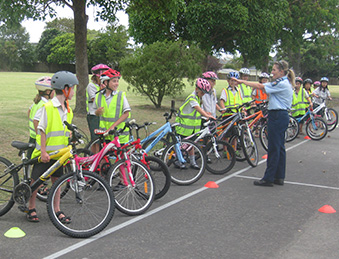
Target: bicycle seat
{"type": "Point", "coordinates": [22, 145]}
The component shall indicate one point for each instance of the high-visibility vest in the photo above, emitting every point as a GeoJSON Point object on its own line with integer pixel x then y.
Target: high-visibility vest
{"type": "Point", "coordinates": [299, 103]}
{"type": "Point", "coordinates": [88, 99]}
{"type": "Point", "coordinates": [189, 123]}
{"type": "Point", "coordinates": [32, 113]}
{"type": "Point", "coordinates": [57, 133]}
{"type": "Point", "coordinates": [232, 100]}
{"type": "Point", "coordinates": [113, 113]}
{"type": "Point", "coordinates": [246, 93]}
{"type": "Point", "coordinates": [260, 96]}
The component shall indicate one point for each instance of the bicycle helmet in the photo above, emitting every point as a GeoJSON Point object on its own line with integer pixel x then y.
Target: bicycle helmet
{"type": "Point", "coordinates": [324, 79]}
{"type": "Point", "coordinates": [203, 85]}
{"type": "Point", "coordinates": [210, 75]}
{"type": "Point", "coordinates": [244, 71]}
{"type": "Point", "coordinates": [234, 74]}
{"type": "Point", "coordinates": [264, 75]}
{"type": "Point", "coordinates": [99, 69]}
{"type": "Point", "coordinates": [109, 74]}
{"type": "Point", "coordinates": [62, 79]}
{"type": "Point", "coordinates": [299, 79]}
{"type": "Point", "coordinates": [317, 83]}
{"type": "Point", "coordinates": [43, 83]}
{"type": "Point", "coordinates": [308, 80]}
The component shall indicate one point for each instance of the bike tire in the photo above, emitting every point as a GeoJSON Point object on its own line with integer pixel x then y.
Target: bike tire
{"type": "Point", "coordinates": [239, 155]}
{"type": "Point", "coordinates": [318, 130]}
{"type": "Point", "coordinates": [249, 147]}
{"type": "Point", "coordinates": [221, 161]}
{"type": "Point", "coordinates": [184, 175]}
{"type": "Point", "coordinates": [332, 120]}
{"type": "Point", "coordinates": [91, 143]}
{"type": "Point", "coordinates": [263, 136]}
{"type": "Point", "coordinates": [132, 200]}
{"type": "Point", "coordinates": [292, 130]}
{"type": "Point", "coordinates": [90, 210]}
{"type": "Point", "coordinates": [160, 174]}
{"type": "Point", "coordinates": [158, 149]}
{"type": "Point", "coordinates": [7, 183]}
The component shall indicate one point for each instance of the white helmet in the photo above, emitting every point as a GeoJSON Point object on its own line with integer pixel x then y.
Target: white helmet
{"type": "Point", "coordinates": [43, 83]}
{"type": "Point", "coordinates": [244, 71]}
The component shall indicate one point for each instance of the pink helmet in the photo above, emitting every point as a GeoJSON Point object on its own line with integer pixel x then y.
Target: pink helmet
{"type": "Point", "coordinates": [203, 85]}
{"type": "Point", "coordinates": [99, 69]}
{"type": "Point", "coordinates": [43, 83]}
{"type": "Point", "coordinates": [317, 83]}
{"type": "Point", "coordinates": [210, 75]}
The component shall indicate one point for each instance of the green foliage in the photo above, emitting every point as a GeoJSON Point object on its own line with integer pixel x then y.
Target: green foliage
{"type": "Point", "coordinates": [44, 46]}
{"type": "Point", "coordinates": [157, 70]}
{"type": "Point", "coordinates": [63, 25]}
{"type": "Point", "coordinates": [62, 49]}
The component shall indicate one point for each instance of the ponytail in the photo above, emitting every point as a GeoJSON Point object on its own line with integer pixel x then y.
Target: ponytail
{"type": "Point", "coordinates": [291, 76]}
{"type": "Point", "coordinates": [37, 99]}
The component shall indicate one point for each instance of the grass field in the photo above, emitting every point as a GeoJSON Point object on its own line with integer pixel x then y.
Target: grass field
{"type": "Point", "coordinates": [17, 92]}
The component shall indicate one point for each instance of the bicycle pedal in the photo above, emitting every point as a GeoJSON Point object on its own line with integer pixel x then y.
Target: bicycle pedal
{"type": "Point", "coordinates": [23, 208]}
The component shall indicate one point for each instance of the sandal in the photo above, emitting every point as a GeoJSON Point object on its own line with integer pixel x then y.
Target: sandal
{"type": "Point", "coordinates": [43, 191]}
{"type": "Point", "coordinates": [64, 219]}
{"type": "Point", "coordinates": [30, 217]}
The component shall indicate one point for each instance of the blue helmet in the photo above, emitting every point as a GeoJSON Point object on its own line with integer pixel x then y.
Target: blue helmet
{"type": "Point", "coordinates": [324, 79]}
{"type": "Point", "coordinates": [234, 74]}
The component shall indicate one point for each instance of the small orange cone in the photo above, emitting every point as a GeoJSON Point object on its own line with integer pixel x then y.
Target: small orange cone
{"type": "Point", "coordinates": [211, 184]}
{"type": "Point", "coordinates": [264, 156]}
{"type": "Point", "coordinates": [327, 209]}
{"type": "Point", "coordinates": [307, 137]}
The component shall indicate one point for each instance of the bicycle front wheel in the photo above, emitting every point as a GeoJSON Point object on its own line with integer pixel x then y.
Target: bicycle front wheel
{"type": "Point", "coordinates": [185, 173]}
{"type": "Point", "coordinates": [134, 193]}
{"type": "Point", "coordinates": [220, 157]}
{"type": "Point", "coordinates": [292, 130]}
{"type": "Point", "coordinates": [331, 119]}
{"type": "Point", "coordinates": [88, 202]}
{"type": "Point", "coordinates": [235, 142]}
{"type": "Point", "coordinates": [249, 146]}
{"type": "Point", "coordinates": [7, 183]}
{"type": "Point", "coordinates": [316, 129]}
{"type": "Point", "coordinates": [264, 137]}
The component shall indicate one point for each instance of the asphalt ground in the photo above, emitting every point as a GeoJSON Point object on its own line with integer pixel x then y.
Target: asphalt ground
{"type": "Point", "coordinates": [236, 220]}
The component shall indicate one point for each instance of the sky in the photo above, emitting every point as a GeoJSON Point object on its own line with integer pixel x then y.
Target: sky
{"type": "Point", "coordinates": [35, 28]}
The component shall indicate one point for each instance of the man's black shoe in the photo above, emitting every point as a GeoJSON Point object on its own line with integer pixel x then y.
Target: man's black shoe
{"type": "Point", "coordinates": [263, 183]}
{"type": "Point", "coordinates": [279, 181]}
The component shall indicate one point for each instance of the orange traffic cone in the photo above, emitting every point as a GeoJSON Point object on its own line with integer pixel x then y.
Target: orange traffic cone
{"type": "Point", "coordinates": [307, 137]}
{"type": "Point", "coordinates": [327, 209]}
{"type": "Point", "coordinates": [211, 184]}
{"type": "Point", "coordinates": [264, 156]}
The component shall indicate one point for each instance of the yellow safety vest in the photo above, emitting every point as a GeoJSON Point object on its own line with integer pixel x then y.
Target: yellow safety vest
{"type": "Point", "coordinates": [32, 113]}
{"type": "Point", "coordinates": [57, 133]}
{"type": "Point", "coordinates": [246, 92]}
{"type": "Point", "coordinates": [299, 103]}
{"type": "Point", "coordinates": [232, 100]}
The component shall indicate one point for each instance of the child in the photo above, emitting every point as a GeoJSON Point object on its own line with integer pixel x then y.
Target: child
{"type": "Point", "coordinates": [300, 102]}
{"type": "Point", "coordinates": [316, 84]}
{"type": "Point", "coordinates": [230, 96]}
{"type": "Point", "coordinates": [259, 95]}
{"type": "Point", "coordinates": [307, 84]}
{"type": "Point", "coordinates": [53, 135]}
{"type": "Point", "coordinates": [43, 85]}
{"type": "Point", "coordinates": [246, 91]}
{"type": "Point", "coordinates": [112, 105]}
{"type": "Point", "coordinates": [209, 100]}
{"type": "Point", "coordinates": [321, 94]}
{"type": "Point", "coordinates": [189, 116]}
{"type": "Point", "coordinates": [91, 90]}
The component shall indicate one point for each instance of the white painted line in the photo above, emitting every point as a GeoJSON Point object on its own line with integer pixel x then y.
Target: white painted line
{"type": "Point", "coordinates": [138, 218]}
{"type": "Point", "coordinates": [295, 183]}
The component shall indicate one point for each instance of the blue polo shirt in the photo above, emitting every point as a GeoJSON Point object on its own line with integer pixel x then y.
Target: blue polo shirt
{"type": "Point", "coordinates": [280, 94]}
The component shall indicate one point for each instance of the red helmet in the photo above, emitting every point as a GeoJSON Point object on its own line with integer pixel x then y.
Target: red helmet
{"type": "Point", "coordinates": [203, 85]}
{"type": "Point", "coordinates": [109, 74]}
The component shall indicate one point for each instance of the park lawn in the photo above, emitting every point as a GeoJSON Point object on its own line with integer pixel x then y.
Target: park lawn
{"type": "Point", "coordinates": [18, 90]}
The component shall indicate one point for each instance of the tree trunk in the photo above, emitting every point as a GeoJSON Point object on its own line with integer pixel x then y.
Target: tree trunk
{"type": "Point", "coordinates": [81, 64]}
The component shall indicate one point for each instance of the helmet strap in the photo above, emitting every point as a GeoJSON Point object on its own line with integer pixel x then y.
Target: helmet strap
{"type": "Point", "coordinates": [66, 101]}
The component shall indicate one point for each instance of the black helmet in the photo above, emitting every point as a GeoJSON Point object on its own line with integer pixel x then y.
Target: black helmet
{"type": "Point", "coordinates": [62, 79]}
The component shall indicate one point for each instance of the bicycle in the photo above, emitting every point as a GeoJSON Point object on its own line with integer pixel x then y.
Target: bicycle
{"type": "Point", "coordinates": [91, 210]}
{"type": "Point", "coordinates": [174, 152]}
{"type": "Point", "coordinates": [329, 115]}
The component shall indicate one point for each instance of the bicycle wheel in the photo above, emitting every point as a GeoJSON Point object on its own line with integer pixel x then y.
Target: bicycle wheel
{"type": "Point", "coordinates": [292, 129]}
{"type": "Point", "coordinates": [89, 202]}
{"type": "Point", "coordinates": [132, 199]}
{"type": "Point", "coordinates": [160, 174]}
{"type": "Point", "coordinates": [221, 158]}
{"type": "Point", "coordinates": [331, 119]}
{"type": "Point", "coordinates": [7, 183]}
{"type": "Point", "coordinates": [316, 129]}
{"type": "Point", "coordinates": [249, 147]}
{"type": "Point", "coordinates": [264, 137]}
{"type": "Point", "coordinates": [158, 149]}
{"type": "Point", "coordinates": [184, 174]}
{"type": "Point", "coordinates": [235, 142]}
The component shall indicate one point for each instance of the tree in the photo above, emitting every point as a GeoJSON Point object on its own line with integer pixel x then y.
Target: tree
{"type": "Point", "coordinates": [157, 70]}
{"type": "Point", "coordinates": [63, 25]}
{"type": "Point", "coordinates": [62, 49]}
{"type": "Point", "coordinates": [13, 12]}
{"type": "Point", "coordinates": [109, 47]}
{"type": "Point", "coordinates": [44, 46]}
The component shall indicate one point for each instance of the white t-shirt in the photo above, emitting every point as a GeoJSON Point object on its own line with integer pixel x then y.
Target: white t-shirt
{"type": "Point", "coordinates": [209, 102]}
